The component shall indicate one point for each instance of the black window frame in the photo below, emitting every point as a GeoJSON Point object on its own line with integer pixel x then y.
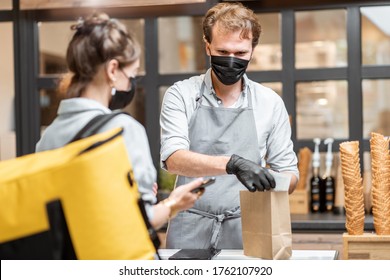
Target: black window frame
{"type": "Point", "coordinates": [28, 81]}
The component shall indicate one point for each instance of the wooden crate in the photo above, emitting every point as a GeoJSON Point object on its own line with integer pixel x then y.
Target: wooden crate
{"type": "Point", "coordinates": [368, 246]}
{"type": "Point", "coordinates": [299, 202]}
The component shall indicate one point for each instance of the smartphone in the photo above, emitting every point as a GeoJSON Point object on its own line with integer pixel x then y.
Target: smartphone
{"type": "Point", "coordinates": [195, 254]}
{"type": "Point", "coordinates": [207, 182]}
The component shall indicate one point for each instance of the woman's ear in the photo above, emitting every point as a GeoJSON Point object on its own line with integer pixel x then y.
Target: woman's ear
{"type": "Point", "coordinates": [111, 68]}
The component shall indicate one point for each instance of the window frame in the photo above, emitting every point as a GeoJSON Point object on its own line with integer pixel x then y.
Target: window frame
{"type": "Point", "coordinates": [28, 82]}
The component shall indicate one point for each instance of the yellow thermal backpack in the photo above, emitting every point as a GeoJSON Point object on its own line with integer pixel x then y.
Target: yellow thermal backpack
{"type": "Point", "coordinates": [76, 202]}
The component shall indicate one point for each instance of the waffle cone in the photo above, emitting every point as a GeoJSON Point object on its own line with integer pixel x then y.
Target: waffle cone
{"type": "Point", "coordinates": [304, 159]}
{"type": "Point", "coordinates": [353, 187]}
{"type": "Point", "coordinates": [380, 164]}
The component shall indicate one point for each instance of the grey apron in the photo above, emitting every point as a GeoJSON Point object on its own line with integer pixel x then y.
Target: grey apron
{"type": "Point", "coordinates": [214, 221]}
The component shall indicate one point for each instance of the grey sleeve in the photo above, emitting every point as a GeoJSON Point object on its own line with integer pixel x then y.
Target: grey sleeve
{"type": "Point", "coordinates": [280, 153]}
{"type": "Point", "coordinates": [138, 150]}
{"type": "Point", "coordinates": [137, 146]}
{"type": "Point", "coordinates": [174, 124]}
{"type": "Point", "coordinates": [150, 199]}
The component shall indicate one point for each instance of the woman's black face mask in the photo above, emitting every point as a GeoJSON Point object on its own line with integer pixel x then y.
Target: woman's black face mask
{"type": "Point", "coordinates": [228, 69]}
{"type": "Point", "coordinates": [123, 98]}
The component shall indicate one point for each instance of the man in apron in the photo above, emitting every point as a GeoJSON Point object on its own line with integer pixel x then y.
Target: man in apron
{"type": "Point", "coordinates": [223, 124]}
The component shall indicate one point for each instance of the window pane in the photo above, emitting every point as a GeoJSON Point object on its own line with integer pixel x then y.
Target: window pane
{"type": "Point", "coordinates": [6, 5]}
{"type": "Point", "coordinates": [375, 35]}
{"type": "Point", "coordinates": [53, 41]}
{"type": "Point", "coordinates": [320, 39]}
{"type": "Point", "coordinates": [166, 182]}
{"type": "Point", "coordinates": [322, 109]}
{"type": "Point", "coordinates": [51, 98]}
{"type": "Point", "coordinates": [180, 45]}
{"type": "Point", "coordinates": [268, 55]}
{"type": "Point", "coordinates": [276, 87]}
{"type": "Point", "coordinates": [367, 181]}
{"type": "Point", "coordinates": [137, 106]}
{"type": "Point", "coordinates": [376, 107]}
{"type": "Point", "coordinates": [7, 93]}
{"type": "Point", "coordinates": [162, 91]}
{"type": "Point", "coordinates": [49, 101]}
{"type": "Point", "coordinates": [54, 38]}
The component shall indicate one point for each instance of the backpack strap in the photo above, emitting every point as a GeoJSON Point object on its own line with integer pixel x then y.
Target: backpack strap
{"type": "Point", "coordinates": [93, 126]}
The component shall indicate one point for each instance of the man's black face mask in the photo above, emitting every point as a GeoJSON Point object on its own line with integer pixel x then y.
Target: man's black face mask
{"type": "Point", "coordinates": [123, 98]}
{"type": "Point", "coordinates": [228, 69]}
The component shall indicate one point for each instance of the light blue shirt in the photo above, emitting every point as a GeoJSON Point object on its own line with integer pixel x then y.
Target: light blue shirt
{"type": "Point", "coordinates": [73, 114]}
{"type": "Point", "coordinates": [271, 119]}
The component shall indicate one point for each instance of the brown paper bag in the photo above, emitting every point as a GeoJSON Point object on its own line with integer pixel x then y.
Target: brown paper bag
{"type": "Point", "coordinates": [266, 224]}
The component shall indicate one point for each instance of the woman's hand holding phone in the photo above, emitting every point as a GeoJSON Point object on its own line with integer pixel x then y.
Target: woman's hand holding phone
{"type": "Point", "coordinates": [207, 182]}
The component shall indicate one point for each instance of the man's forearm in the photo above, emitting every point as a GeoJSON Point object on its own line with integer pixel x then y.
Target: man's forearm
{"type": "Point", "coordinates": [191, 164]}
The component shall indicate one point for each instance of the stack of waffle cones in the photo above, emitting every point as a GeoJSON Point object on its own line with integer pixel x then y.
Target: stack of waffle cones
{"type": "Point", "coordinates": [353, 187]}
{"type": "Point", "coordinates": [380, 163]}
{"type": "Point", "coordinates": [304, 159]}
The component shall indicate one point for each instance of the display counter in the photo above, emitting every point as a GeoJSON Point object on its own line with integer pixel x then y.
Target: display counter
{"type": "Point", "coordinates": [239, 255]}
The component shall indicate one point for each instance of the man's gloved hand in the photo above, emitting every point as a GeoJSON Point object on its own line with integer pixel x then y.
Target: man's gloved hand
{"type": "Point", "coordinates": [251, 175]}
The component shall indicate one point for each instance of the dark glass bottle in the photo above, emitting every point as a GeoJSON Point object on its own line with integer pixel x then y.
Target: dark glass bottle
{"type": "Point", "coordinates": [315, 189]}
{"type": "Point", "coordinates": [315, 181]}
{"type": "Point", "coordinates": [328, 182]}
{"type": "Point", "coordinates": [329, 187]}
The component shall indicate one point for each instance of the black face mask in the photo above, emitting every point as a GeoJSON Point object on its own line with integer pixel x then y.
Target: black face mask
{"type": "Point", "coordinates": [228, 69]}
{"type": "Point", "coordinates": [123, 98]}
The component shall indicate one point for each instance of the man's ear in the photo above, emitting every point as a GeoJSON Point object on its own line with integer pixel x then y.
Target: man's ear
{"type": "Point", "coordinates": [253, 50]}
{"type": "Point", "coordinates": [111, 68]}
{"type": "Point", "coordinates": [207, 48]}
{"type": "Point", "coordinates": [204, 39]}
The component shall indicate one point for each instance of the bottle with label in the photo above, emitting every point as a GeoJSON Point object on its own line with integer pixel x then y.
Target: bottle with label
{"type": "Point", "coordinates": [315, 181]}
{"type": "Point", "coordinates": [328, 180]}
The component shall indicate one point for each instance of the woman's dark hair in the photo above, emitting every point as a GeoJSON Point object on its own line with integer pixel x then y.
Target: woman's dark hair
{"type": "Point", "coordinates": [97, 40]}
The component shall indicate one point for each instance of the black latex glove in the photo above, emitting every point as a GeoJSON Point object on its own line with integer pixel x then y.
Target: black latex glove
{"type": "Point", "coordinates": [250, 174]}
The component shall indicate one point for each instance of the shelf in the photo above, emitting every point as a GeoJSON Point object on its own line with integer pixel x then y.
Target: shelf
{"type": "Point", "coordinates": [324, 222]}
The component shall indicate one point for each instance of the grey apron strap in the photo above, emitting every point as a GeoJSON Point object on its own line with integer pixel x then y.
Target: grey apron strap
{"type": "Point", "coordinates": [217, 221]}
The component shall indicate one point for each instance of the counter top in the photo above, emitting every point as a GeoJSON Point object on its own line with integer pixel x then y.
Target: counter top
{"type": "Point", "coordinates": [239, 255]}
{"type": "Point", "coordinates": [324, 222]}
{"type": "Point", "coordinates": [319, 222]}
